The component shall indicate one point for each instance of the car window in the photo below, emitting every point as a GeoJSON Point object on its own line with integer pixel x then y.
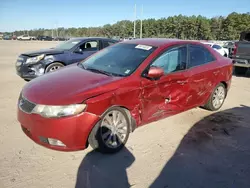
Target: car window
{"type": "Point", "coordinates": [25, 35]}
{"type": "Point", "coordinates": [199, 55]}
{"type": "Point", "coordinates": [107, 43]}
{"type": "Point", "coordinates": [89, 46]}
{"type": "Point", "coordinates": [215, 46]}
{"type": "Point", "coordinates": [67, 45]}
{"type": "Point", "coordinates": [119, 59]}
{"type": "Point", "coordinates": [172, 60]}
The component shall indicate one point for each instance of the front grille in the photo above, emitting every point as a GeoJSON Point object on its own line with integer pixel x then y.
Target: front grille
{"type": "Point", "coordinates": [25, 105]}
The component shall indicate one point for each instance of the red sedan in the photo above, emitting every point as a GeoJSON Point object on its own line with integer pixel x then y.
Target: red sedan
{"type": "Point", "coordinates": [104, 98]}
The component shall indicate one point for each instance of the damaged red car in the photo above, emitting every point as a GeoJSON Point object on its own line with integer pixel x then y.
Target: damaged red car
{"type": "Point", "coordinates": [104, 98]}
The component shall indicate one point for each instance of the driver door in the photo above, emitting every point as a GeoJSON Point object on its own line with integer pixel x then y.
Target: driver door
{"type": "Point", "coordinates": [84, 50]}
{"type": "Point", "coordinates": [169, 94]}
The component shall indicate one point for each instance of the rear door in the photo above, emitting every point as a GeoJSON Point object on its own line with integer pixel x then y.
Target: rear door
{"type": "Point", "coordinates": [203, 74]}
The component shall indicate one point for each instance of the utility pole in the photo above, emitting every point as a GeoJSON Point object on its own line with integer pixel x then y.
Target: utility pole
{"type": "Point", "coordinates": [135, 21]}
{"type": "Point", "coordinates": [141, 20]}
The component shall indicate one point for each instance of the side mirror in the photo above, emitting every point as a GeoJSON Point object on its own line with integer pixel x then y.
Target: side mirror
{"type": "Point", "coordinates": [79, 51]}
{"type": "Point", "coordinates": [155, 72]}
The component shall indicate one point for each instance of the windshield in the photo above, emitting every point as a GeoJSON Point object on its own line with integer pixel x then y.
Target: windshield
{"type": "Point", "coordinates": [120, 59]}
{"type": "Point", "coordinates": [68, 44]}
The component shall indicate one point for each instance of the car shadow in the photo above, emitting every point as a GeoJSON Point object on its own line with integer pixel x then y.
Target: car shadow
{"type": "Point", "coordinates": [99, 170]}
{"type": "Point", "coordinates": [214, 153]}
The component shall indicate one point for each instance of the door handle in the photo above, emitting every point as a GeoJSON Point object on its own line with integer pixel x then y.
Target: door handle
{"type": "Point", "coordinates": [181, 82]}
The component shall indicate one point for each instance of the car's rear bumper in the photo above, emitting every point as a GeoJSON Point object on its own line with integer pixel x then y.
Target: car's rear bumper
{"type": "Point", "coordinates": [241, 63]}
{"type": "Point", "coordinates": [72, 131]}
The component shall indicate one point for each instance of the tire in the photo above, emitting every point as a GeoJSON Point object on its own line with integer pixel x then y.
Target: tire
{"type": "Point", "coordinates": [26, 80]}
{"type": "Point", "coordinates": [53, 67]}
{"type": "Point", "coordinates": [210, 105]}
{"type": "Point", "coordinates": [240, 70]}
{"type": "Point", "coordinates": [97, 136]}
{"type": "Point", "coordinates": [225, 55]}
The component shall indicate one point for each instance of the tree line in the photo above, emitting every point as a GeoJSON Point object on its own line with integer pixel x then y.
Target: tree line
{"type": "Point", "coordinates": [182, 27]}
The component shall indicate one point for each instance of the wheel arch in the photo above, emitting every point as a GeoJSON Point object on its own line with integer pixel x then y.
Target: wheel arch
{"type": "Point", "coordinates": [130, 117]}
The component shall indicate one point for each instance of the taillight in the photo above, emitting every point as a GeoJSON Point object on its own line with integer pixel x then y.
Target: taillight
{"type": "Point", "coordinates": [235, 49]}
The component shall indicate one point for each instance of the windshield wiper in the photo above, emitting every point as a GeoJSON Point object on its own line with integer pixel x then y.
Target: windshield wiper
{"type": "Point", "coordinates": [98, 71]}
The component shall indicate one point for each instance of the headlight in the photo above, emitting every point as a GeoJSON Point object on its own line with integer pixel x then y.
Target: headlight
{"type": "Point", "coordinates": [33, 60]}
{"type": "Point", "coordinates": [58, 111]}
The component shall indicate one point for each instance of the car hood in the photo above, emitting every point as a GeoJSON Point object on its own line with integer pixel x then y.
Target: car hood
{"type": "Point", "coordinates": [68, 85]}
{"type": "Point", "coordinates": [43, 51]}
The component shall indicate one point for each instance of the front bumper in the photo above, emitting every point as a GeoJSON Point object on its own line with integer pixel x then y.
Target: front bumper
{"type": "Point", "coordinates": [72, 131]}
{"type": "Point", "coordinates": [29, 72]}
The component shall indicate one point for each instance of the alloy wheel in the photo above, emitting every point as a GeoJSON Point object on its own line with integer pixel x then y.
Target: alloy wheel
{"type": "Point", "coordinates": [218, 97]}
{"type": "Point", "coordinates": [54, 68]}
{"type": "Point", "coordinates": [114, 129]}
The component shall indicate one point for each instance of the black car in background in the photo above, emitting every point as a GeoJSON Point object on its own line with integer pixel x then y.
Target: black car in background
{"type": "Point", "coordinates": [60, 39]}
{"type": "Point", "coordinates": [30, 65]}
{"type": "Point", "coordinates": [44, 38]}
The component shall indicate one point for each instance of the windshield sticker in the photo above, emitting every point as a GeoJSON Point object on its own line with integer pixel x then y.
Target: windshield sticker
{"type": "Point", "coordinates": [143, 47]}
{"type": "Point", "coordinates": [127, 71]}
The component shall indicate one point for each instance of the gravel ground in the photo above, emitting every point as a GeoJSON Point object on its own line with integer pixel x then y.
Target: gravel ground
{"type": "Point", "coordinates": [196, 148]}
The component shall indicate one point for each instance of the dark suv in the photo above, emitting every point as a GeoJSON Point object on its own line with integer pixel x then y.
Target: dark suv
{"type": "Point", "coordinates": [30, 65]}
{"type": "Point", "coordinates": [241, 54]}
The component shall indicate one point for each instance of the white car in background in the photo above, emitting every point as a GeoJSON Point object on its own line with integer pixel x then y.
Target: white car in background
{"type": "Point", "coordinates": [218, 48]}
{"type": "Point", "coordinates": [24, 37]}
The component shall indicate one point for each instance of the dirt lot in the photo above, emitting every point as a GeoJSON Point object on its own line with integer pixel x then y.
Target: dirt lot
{"type": "Point", "coordinates": [192, 149]}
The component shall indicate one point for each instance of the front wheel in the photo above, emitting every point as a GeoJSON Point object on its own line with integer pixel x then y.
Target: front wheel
{"type": "Point", "coordinates": [111, 133]}
{"type": "Point", "coordinates": [217, 98]}
{"type": "Point", "coordinates": [53, 67]}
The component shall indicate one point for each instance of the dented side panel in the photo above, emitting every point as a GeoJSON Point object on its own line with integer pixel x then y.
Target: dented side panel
{"type": "Point", "coordinates": [128, 95]}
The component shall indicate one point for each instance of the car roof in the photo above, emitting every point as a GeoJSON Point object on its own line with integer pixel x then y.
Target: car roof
{"type": "Point", "coordinates": [158, 42]}
{"type": "Point", "coordinates": [94, 38]}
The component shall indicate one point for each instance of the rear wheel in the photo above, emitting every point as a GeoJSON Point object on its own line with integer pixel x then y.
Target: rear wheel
{"type": "Point", "coordinates": [217, 98]}
{"type": "Point", "coordinates": [240, 70]}
{"type": "Point", "coordinates": [111, 133]}
{"type": "Point", "coordinates": [53, 67]}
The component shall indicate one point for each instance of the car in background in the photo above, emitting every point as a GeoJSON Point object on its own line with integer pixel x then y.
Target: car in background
{"type": "Point", "coordinates": [45, 38]}
{"type": "Point", "coordinates": [24, 37]}
{"type": "Point", "coordinates": [30, 65]}
{"type": "Point", "coordinates": [60, 39]}
{"type": "Point", "coordinates": [230, 46]}
{"type": "Point", "coordinates": [241, 54]}
{"type": "Point", "coordinates": [102, 99]}
{"type": "Point", "coordinates": [7, 37]}
{"type": "Point", "coordinates": [14, 37]}
{"type": "Point", "coordinates": [222, 51]}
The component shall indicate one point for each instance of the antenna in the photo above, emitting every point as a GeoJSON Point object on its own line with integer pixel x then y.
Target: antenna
{"type": "Point", "coordinates": [135, 21]}
{"type": "Point", "coordinates": [141, 20]}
